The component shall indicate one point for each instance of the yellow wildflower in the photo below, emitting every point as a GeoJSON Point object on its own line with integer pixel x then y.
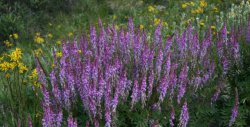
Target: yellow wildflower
{"type": "Point", "coordinates": [53, 66]}
{"type": "Point", "coordinates": [213, 27]}
{"type": "Point", "coordinates": [70, 34]}
{"type": "Point", "coordinates": [22, 68]}
{"type": "Point", "coordinates": [50, 35]}
{"type": "Point", "coordinates": [5, 66]}
{"type": "Point", "coordinates": [58, 42]}
{"type": "Point", "coordinates": [38, 52]}
{"type": "Point", "coordinates": [8, 43]}
{"type": "Point", "coordinates": [79, 51]}
{"type": "Point", "coordinates": [1, 58]}
{"type": "Point", "coordinates": [141, 27]}
{"type": "Point", "coordinates": [38, 34]}
{"type": "Point", "coordinates": [203, 3]}
{"type": "Point", "coordinates": [157, 21]}
{"type": "Point", "coordinates": [165, 24]}
{"type": "Point", "coordinates": [34, 74]}
{"type": "Point", "coordinates": [202, 23]}
{"type": "Point", "coordinates": [197, 11]}
{"type": "Point", "coordinates": [151, 8]}
{"type": "Point", "coordinates": [37, 84]}
{"type": "Point", "coordinates": [59, 54]}
{"type": "Point", "coordinates": [215, 9]}
{"type": "Point", "coordinates": [16, 55]}
{"type": "Point", "coordinates": [114, 17]}
{"type": "Point", "coordinates": [184, 6]}
{"type": "Point", "coordinates": [191, 3]}
{"type": "Point", "coordinates": [117, 27]}
{"type": "Point", "coordinates": [38, 39]}
{"type": "Point", "coordinates": [7, 76]}
{"type": "Point", "coordinates": [15, 36]}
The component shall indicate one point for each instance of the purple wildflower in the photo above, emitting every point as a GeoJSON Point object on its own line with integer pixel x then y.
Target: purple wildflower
{"type": "Point", "coordinates": [107, 118]}
{"type": "Point", "coordinates": [30, 121]}
{"type": "Point", "coordinates": [46, 97]}
{"type": "Point", "coordinates": [143, 90]}
{"type": "Point", "coordinates": [151, 83]}
{"type": "Point", "coordinates": [172, 117]}
{"type": "Point", "coordinates": [71, 121]}
{"type": "Point", "coordinates": [216, 95]}
{"type": "Point", "coordinates": [93, 37]}
{"type": "Point", "coordinates": [162, 89]}
{"type": "Point", "coordinates": [168, 64]}
{"type": "Point", "coordinates": [225, 65]}
{"type": "Point", "coordinates": [159, 62]}
{"type": "Point", "coordinates": [235, 109]}
{"type": "Point", "coordinates": [173, 79]}
{"type": "Point", "coordinates": [41, 74]}
{"type": "Point", "coordinates": [248, 30]}
{"type": "Point", "coordinates": [182, 82]}
{"type": "Point", "coordinates": [55, 90]}
{"type": "Point", "coordinates": [184, 117]}
{"type": "Point", "coordinates": [96, 123]}
{"type": "Point", "coordinates": [135, 93]}
{"type": "Point", "coordinates": [158, 38]}
{"type": "Point", "coordinates": [169, 43]}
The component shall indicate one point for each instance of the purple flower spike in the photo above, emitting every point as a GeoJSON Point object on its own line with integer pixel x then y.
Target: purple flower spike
{"type": "Point", "coordinates": [248, 30]}
{"type": "Point", "coordinates": [172, 117]}
{"type": "Point", "coordinates": [30, 121]}
{"type": "Point", "coordinates": [71, 121]}
{"type": "Point", "coordinates": [235, 109]}
{"type": "Point", "coordinates": [93, 37]}
{"type": "Point", "coordinates": [159, 63]}
{"type": "Point", "coordinates": [184, 117]}
{"type": "Point", "coordinates": [183, 82]}
{"type": "Point", "coordinates": [158, 37]}
{"type": "Point", "coordinates": [151, 83]}
{"type": "Point", "coordinates": [108, 118]}
{"type": "Point", "coordinates": [135, 93]}
{"type": "Point", "coordinates": [162, 89]}
{"type": "Point", "coordinates": [143, 90]}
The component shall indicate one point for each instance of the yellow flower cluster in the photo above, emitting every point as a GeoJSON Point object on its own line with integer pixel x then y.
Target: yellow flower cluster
{"type": "Point", "coordinates": [59, 54]}
{"type": "Point", "coordinates": [199, 10]}
{"type": "Point", "coordinates": [202, 23]}
{"type": "Point", "coordinates": [15, 61]}
{"type": "Point", "coordinates": [199, 6]}
{"type": "Point", "coordinates": [22, 68]}
{"type": "Point", "coordinates": [34, 78]}
{"type": "Point", "coordinates": [70, 34]}
{"type": "Point", "coordinates": [157, 21]}
{"type": "Point", "coordinates": [213, 27]}
{"type": "Point", "coordinates": [38, 39]}
{"type": "Point", "coordinates": [50, 35]}
{"type": "Point", "coordinates": [141, 27]}
{"type": "Point", "coordinates": [5, 66]}
{"type": "Point", "coordinates": [38, 52]}
{"type": "Point", "coordinates": [185, 5]}
{"type": "Point", "coordinates": [215, 9]}
{"type": "Point", "coordinates": [14, 35]}
{"type": "Point", "coordinates": [16, 55]}
{"type": "Point", "coordinates": [151, 9]}
{"type": "Point", "coordinates": [8, 43]}
{"type": "Point", "coordinates": [203, 3]}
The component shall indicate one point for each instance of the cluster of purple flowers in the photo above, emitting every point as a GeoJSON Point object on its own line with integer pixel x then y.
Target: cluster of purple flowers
{"type": "Point", "coordinates": [112, 67]}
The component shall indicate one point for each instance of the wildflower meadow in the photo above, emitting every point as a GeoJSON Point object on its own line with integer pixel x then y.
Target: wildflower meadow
{"type": "Point", "coordinates": [119, 63]}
